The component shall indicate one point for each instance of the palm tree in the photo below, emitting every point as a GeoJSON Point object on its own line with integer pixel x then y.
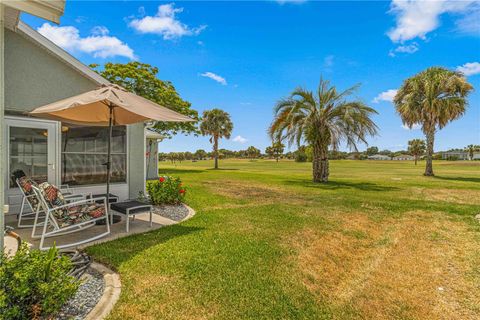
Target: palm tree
{"type": "Point", "coordinates": [217, 124]}
{"type": "Point", "coordinates": [432, 99]}
{"type": "Point", "coordinates": [471, 148]}
{"type": "Point", "coordinates": [322, 119]}
{"type": "Point", "coordinates": [416, 147]}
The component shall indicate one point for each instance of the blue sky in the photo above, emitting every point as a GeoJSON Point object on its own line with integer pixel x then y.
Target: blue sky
{"type": "Point", "coordinates": [243, 56]}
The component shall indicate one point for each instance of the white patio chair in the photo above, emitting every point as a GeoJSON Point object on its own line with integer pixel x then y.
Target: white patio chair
{"type": "Point", "coordinates": [63, 218]}
{"type": "Point", "coordinates": [29, 200]}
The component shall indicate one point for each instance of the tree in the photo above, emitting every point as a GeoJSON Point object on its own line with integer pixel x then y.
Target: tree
{"type": "Point", "coordinates": [301, 154]}
{"type": "Point", "coordinates": [416, 148]}
{"type": "Point", "coordinates": [141, 79]}
{"type": "Point", "coordinates": [253, 152]}
{"type": "Point", "coordinates": [371, 151]}
{"type": "Point", "coordinates": [217, 124]}
{"type": "Point", "coordinates": [200, 154]}
{"type": "Point", "coordinates": [323, 120]}
{"type": "Point", "coordinates": [275, 150]}
{"type": "Point", "coordinates": [432, 99]}
{"type": "Point", "coordinates": [471, 148]}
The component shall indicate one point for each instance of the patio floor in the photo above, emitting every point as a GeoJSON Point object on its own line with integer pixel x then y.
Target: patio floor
{"type": "Point", "coordinates": [140, 224]}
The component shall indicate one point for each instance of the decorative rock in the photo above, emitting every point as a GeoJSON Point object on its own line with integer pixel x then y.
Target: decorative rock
{"type": "Point", "coordinates": [172, 212]}
{"type": "Point", "coordinates": [86, 298]}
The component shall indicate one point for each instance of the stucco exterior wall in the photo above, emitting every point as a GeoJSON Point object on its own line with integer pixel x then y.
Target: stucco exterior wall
{"type": "Point", "coordinates": [136, 159]}
{"type": "Point", "coordinates": [152, 159]}
{"type": "Point", "coordinates": [33, 77]}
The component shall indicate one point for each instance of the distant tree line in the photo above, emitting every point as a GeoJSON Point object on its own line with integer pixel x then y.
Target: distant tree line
{"type": "Point", "coordinates": [416, 148]}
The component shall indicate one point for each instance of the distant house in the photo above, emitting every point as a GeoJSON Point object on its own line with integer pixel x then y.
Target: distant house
{"type": "Point", "coordinates": [379, 157]}
{"type": "Point", "coordinates": [403, 157]}
{"type": "Point", "coordinates": [455, 155]}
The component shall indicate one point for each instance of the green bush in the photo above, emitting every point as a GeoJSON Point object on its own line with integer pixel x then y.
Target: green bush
{"type": "Point", "coordinates": [34, 284]}
{"type": "Point", "coordinates": [301, 157]}
{"type": "Point", "coordinates": [166, 190]}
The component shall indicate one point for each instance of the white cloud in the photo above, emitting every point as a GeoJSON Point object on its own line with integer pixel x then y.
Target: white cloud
{"type": "Point", "coordinates": [470, 68]}
{"type": "Point", "coordinates": [165, 23]}
{"type": "Point", "coordinates": [215, 77]}
{"type": "Point", "coordinates": [410, 48]}
{"type": "Point", "coordinates": [416, 18]}
{"type": "Point", "coordinates": [385, 96]}
{"type": "Point", "coordinates": [240, 139]}
{"type": "Point", "coordinates": [99, 43]}
{"type": "Point", "coordinates": [414, 127]}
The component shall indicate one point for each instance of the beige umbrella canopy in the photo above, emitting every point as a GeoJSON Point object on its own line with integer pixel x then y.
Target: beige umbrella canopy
{"type": "Point", "coordinates": [94, 108]}
{"type": "Point", "coordinates": [107, 106]}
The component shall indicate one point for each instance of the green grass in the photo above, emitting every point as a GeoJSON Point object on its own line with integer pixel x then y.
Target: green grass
{"type": "Point", "coordinates": [375, 242]}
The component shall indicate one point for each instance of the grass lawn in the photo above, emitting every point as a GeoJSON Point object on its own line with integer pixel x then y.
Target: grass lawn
{"type": "Point", "coordinates": [379, 241]}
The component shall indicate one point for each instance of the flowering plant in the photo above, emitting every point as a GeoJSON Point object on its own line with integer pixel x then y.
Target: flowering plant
{"type": "Point", "coordinates": [166, 190]}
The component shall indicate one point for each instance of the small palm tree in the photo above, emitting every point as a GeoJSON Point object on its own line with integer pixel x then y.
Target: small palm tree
{"type": "Point", "coordinates": [323, 119]}
{"type": "Point", "coordinates": [432, 99]}
{"type": "Point", "coordinates": [471, 149]}
{"type": "Point", "coordinates": [217, 124]}
{"type": "Point", "coordinates": [416, 147]}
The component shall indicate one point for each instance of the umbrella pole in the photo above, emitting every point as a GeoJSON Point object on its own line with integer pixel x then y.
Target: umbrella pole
{"type": "Point", "coordinates": [109, 156]}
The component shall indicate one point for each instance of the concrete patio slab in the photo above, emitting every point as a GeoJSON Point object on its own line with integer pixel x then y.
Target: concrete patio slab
{"type": "Point", "coordinates": [140, 224]}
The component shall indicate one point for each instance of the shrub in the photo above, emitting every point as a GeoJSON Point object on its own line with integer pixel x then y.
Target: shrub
{"type": "Point", "coordinates": [166, 190]}
{"type": "Point", "coordinates": [34, 284]}
{"type": "Point", "coordinates": [300, 157]}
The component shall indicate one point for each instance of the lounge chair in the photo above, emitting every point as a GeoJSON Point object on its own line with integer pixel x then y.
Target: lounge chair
{"type": "Point", "coordinates": [63, 218]}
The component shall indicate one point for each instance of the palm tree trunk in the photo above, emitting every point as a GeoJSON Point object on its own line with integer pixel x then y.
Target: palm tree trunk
{"type": "Point", "coordinates": [215, 150]}
{"type": "Point", "coordinates": [320, 163]}
{"type": "Point", "coordinates": [430, 135]}
{"type": "Point", "coordinates": [416, 158]}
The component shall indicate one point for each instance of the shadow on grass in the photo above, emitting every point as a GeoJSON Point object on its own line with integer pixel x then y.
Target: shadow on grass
{"type": "Point", "coordinates": [116, 252]}
{"type": "Point", "coordinates": [463, 179]}
{"type": "Point", "coordinates": [335, 185]}
{"type": "Point", "coordinates": [178, 170]}
{"type": "Point", "coordinates": [223, 169]}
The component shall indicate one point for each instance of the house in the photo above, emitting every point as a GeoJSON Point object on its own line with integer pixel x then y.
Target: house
{"type": "Point", "coordinates": [38, 72]}
{"type": "Point", "coordinates": [379, 157]}
{"type": "Point", "coordinates": [455, 155]}
{"type": "Point", "coordinates": [460, 155]}
{"type": "Point", "coordinates": [404, 157]}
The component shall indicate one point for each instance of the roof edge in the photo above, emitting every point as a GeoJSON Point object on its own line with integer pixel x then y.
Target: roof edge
{"type": "Point", "coordinates": [58, 52]}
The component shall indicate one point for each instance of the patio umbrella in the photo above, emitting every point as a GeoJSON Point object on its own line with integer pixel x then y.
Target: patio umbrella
{"type": "Point", "coordinates": [108, 105]}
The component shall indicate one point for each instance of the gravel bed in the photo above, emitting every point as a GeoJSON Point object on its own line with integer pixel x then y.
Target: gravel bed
{"type": "Point", "coordinates": [86, 298]}
{"type": "Point", "coordinates": [173, 212]}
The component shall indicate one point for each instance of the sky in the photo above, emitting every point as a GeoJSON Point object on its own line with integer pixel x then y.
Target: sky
{"type": "Point", "coordinates": [242, 57]}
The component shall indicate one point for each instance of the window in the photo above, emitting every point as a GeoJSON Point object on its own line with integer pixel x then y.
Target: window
{"type": "Point", "coordinates": [84, 155]}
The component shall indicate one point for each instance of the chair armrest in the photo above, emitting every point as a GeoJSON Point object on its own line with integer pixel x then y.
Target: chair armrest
{"type": "Point", "coordinates": [76, 203]}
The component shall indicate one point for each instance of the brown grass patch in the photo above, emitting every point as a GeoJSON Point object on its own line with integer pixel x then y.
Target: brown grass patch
{"type": "Point", "coordinates": [420, 266]}
{"type": "Point", "coordinates": [261, 194]}
{"type": "Point", "coordinates": [460, 196]}
{"type": "Point", "coordinates": [162, 297]}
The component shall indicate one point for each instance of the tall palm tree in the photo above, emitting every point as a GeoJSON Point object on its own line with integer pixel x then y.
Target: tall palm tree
{"type": "Point", "coordinates": [322, 119]}
{"type": "Point", "coordinates": [416, 147]}
{"type": "Point", "coordinates": [217, 124]}
{"type": "Point", "coordinates": [471, 148]}
{"type": "Point", "coordinates": [432, 99]}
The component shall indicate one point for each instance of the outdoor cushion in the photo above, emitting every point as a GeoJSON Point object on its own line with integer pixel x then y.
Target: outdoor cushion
{"type": "Point", "coordinates": [69, 215]}
{"type": "Point", "coordinates": [26, 184]}
{"type": "Point", "coordinates": [123, 206]}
